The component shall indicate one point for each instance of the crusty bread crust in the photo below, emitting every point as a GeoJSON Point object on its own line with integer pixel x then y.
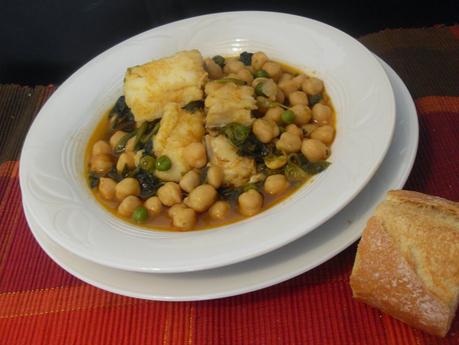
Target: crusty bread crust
{"type": "Point", "coordinates": [407, 262]}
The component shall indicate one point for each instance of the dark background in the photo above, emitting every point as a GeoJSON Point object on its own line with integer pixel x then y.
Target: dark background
{"type": "Point", "coordinates": [43, 42]}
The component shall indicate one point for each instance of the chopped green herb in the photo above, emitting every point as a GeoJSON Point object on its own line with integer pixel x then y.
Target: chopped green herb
{"type": "Point", "coordinates": [259, 89]}
{"type": "Point", "coordinates": [231, 80]}
{"type": "Point", "coordinates": [294, 172]}
{"type": "Point", "coordinates": [147, 163]}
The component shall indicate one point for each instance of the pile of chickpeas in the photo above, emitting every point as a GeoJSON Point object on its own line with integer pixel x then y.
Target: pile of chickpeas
{"type": "Point", "coordinates": [182, 211]}
{"type": "Point", "coordinates": [309, 130]}
{"type": "Point", "coordinates": [284, 119]}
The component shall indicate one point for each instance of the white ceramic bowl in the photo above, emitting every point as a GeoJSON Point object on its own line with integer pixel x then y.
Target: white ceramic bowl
{"type": "Point", "coordinates": [51, 169]}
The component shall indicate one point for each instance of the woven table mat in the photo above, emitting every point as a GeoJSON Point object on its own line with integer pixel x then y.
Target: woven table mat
{"type": "Point", "coordinates": [42, 304]}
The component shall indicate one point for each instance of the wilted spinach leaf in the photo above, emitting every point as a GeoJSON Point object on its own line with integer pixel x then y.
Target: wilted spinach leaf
{"type": "Point", "coordinates": [219, 60]}
{"type": "Point", "coordinates": [121, 116]}
{"type": "Point", "coordinates": [93, 180]}
{"type": "Point", "coordinates": [149, 183]}
{"type": "Point", "coordinates": [236, 132]}
{"type": "Point", "coordinates": [194, 106]}
{"type": "Point", "coordinates": [246, 58]}
{"type": "Point", "coordinates": [254, 148]}
{"type": "Point", "coordinates": [314, 99]}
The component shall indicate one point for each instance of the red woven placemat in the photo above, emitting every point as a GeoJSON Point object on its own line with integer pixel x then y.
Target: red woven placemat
{"type": "Point", "coordinates": [42, 304]}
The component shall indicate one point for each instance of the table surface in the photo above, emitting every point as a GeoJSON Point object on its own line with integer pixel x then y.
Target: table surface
{"type": "Point", "coordinates": [42, 304]}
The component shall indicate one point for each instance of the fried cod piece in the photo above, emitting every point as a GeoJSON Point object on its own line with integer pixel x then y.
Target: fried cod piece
{"type": "Point", "coordinates": [178, 78]}
{"type": "Point", "coordinates": [237, 170]}
{"type": "Point", "coordinates": [178, 128]}
{"type": "Point", "coordinates": [228, 102]}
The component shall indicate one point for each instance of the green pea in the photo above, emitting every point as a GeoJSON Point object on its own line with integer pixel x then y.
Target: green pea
{"type": "Point", "coordinates": [147, 163]}
{"type": "Point", "coordinates": [261, 74]}
{"type": "Point", "coordinates": [140, 214]}
{"type": "Point", "coordinates": [163, 163]}
{"type": "Point", "coordinates": [288, 117]}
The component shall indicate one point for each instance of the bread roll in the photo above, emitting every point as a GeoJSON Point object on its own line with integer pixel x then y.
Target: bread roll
{"type": "Point", "coordinates": [407, 261]}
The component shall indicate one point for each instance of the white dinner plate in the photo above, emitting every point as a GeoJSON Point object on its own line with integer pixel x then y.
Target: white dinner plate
{"type": "Point", "coordinates": [277, 266]}
{"type": "Point", "coordinates": [52, 167]}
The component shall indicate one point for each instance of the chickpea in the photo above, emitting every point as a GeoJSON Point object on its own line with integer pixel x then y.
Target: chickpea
{"type": "Point", "coordinates": [125, 159]}
{"type": "Point", "coordinates": [285, 77]}
{"type": "Point", "coordinates": [262, 104]}
{"type": "Point", "coordinates": [288, 143]}
{"type": "Point", "coordinates": [173, 210]}
{"type": "Point", "coordinates": [201, 198]}
{"type": "Point", "coordinates": [308, 129]}
{"type": "Point", "coordinates": [107, 188]}
{"type": "Point", "coordinates": [127, 207]}
{"type": "Point", "coordinates": [314, 150]}
{"type": "Point", "coordinates": [138, 155]}
{"type": "Point", "coordinates": [245, 75]}
{"type": "Point", "coordinates": [170, 194]}
{"type": "Point", "coordinates": [280, 97]}
{"type": "Point", "coordinates": [274, 114]}
{"type": "Point", "coordinates": [302, 114]}
{"type": "Point", "coordinates": [294, 129]}
{"type": "Point", "coordinates": [213, 69]}
{"type": "Point", "coordinates": [101, 164]}
{"type": "Point", "coordinates": [184, 218]}
{"type": "Point", "coordinates": [275, 162]}
{"type": "Point", "coordinates": [101, 147]}
{"type": "Point", "coordinates": [233, 66]}
{"type": "Point", "coordinates": [153, 205]}
{"type": "Point", "coordinates": [250, 69]}
{"type": "Point", "coordinates": [116, 137]}
{"type": "Point", "coordinates": [130, 145]}
{"type": "Point", "coordinates": [288, 86]}
{"type": "Point", "coordinates": [312, 86]}
{"type": "Point", "coordinates": [324, 133]}
{"type": "Point", "coordinates": [273, 69]}
{"type": "Point", "coordinates": [299, 79]}
{"type": "Point", "coordinates": [219, 210]}
{"type": "Point", "coordinates": [190, 181]}
{"type": "Point", "coordinates": [195, 155]}
{"type": "Point", "coordinates": [265, 130]}
{"type": "Point", "coordinates": [215, 176]}
{"type": "Point", "coordinates": [250, 202]}
{"type": "Point", "coordinates": [276, 184]}
{"type": "Point", "coordinates": [127, 186]}
{"type": "Point", "coordinates": [258, 60]}
{"type": "Point", "coordinates": [322, 114]}
{"type": "Point", "coordinates": [298, 97]}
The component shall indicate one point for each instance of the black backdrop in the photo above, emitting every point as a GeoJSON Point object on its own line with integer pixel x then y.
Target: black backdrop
{"type": "Point", "coordinates": [44, 41]}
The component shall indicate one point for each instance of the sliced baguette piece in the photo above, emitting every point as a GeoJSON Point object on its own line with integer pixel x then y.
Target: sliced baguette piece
{"type": "Point", "coordinates": [407, 262]}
